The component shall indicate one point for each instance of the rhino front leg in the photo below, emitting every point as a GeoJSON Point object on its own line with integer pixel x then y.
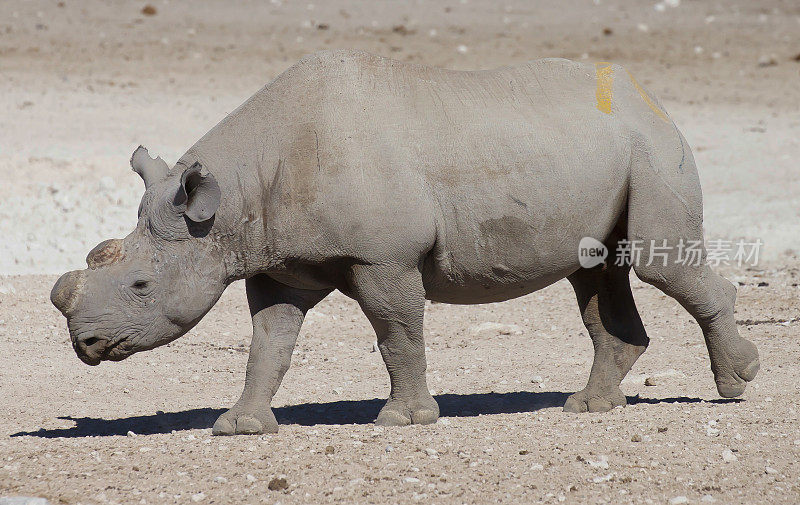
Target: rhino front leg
{"type": "Point", "coordinates": [278, 312]}
{"type": "Point", "coordinates": [393, 299]}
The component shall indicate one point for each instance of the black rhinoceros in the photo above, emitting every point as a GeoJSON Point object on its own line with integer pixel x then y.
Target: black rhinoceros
{"type": "Point", "coordinates": [395, 183]}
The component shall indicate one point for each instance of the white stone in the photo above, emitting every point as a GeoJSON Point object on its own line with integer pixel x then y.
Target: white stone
{"type": "Point", "coordinates": [728, 456]}
{"type": "Point", "coordinates": [602, 462]}
{"type": "Point", "coordinates": [494, 328]}
{"type": "Point", "coordinates": [197, 497]}
{"type": "Point", "coordinates": [23, 500]}
{"type": "Point", "coordinates": [678, 500]}
{"type": "Point", "coordinates": [605, 478]}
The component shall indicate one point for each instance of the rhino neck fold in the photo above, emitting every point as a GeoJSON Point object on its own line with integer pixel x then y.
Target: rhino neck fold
{"type": "Point", "coordinates": [244, 166]}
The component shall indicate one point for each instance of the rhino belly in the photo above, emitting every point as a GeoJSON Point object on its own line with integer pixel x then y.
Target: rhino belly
{"type": "Point", "coordinates": [506, 238]}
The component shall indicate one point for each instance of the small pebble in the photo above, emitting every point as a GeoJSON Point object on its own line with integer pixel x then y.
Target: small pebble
{"type": "Point", "coordinates": [278, 484]}
{"type": "Point", "coordinates": [198, 497]}
{"type": "Point", "coordinates": [636, 438]}
{"type": "Point", "coordinates": [678, 500]}
{"type": "Point", "coordinates": [728, 456]}
{"type": "Point", "coordinates": [251, 478]}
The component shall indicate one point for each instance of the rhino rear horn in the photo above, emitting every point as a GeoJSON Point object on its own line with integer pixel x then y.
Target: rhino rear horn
{"type": "Point", "coordinates": [149, 169]}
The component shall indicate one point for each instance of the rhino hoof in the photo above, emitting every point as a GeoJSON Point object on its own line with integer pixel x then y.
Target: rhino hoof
{"type": "Point", "coordinates": [745, 366]}
{"type": "Point", "coordinates": [586, 402]}
{"type": "Point", "coordinates": [243, 423]}
{"type": "Point", "coordinates": [400, 413]}
{"type": "Point", "coordinates": [392, 418]}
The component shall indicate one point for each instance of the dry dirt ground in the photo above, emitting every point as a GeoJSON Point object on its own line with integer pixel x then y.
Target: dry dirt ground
{"type": "Point", "coordinates": [83, 82]}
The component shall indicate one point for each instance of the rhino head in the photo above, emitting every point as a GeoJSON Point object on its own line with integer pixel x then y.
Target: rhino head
{"type": "Point", "coordinates": [154, 285]}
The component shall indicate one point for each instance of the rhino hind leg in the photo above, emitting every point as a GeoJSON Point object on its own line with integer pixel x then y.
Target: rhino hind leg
{"type": "Point", "coordinates": [393, 299]}
{"type": "Point", "coordinates": [710, 299]}
{"type": "Point", "coordinates": [665, 212]}
{"type": "Point", "coordinates": [618, 335]}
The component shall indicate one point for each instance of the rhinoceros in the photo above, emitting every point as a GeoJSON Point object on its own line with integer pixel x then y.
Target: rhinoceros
{"type": "Point", "coordinates": [398, 183]}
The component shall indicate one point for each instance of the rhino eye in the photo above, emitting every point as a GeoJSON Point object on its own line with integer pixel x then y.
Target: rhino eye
{"type": "Point", "coordinates": [142, 284]}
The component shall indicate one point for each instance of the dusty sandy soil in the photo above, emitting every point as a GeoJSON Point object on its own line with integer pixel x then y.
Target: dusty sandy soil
{"type": "Point", "coordinates": [83, 83]}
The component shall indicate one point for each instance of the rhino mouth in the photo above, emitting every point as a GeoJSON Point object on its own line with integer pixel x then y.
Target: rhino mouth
{"type": "Point", "coordinates": [115, 351]}
{"type": "Point", "coordinates": [93, 350]}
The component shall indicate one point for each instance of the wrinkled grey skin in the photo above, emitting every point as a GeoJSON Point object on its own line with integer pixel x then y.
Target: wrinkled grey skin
{"type": "Point", "coordinates": [396, 183]}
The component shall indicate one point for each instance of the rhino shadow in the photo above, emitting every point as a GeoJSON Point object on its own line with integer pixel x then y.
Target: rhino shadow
{"type": "Point", "coordinates": [329, 413]}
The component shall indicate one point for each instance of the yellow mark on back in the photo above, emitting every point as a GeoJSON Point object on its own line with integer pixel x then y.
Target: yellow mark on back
{"type": "Point", "coordinates": [660, 113]}
{"type": "Point", "coordinates": [605, 81]}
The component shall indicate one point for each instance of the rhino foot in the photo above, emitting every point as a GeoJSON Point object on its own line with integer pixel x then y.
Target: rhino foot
{"type": "Point", "coordinates": [402, 413]}
{"type": "Point", "coordinates": [742, 367]}
{"type": "Point", "coordinates": [587, 401]}
{"type": "Point", "coordinates": [244, 421]}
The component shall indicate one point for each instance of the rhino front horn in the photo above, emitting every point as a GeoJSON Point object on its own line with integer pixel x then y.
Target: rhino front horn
{"type": "Point", "coordinates": [149, 169]}
{"type": "Point", "coordinates": [66, 291]}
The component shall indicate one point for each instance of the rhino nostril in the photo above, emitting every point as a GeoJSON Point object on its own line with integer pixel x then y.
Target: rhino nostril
{"type": "Point", "coordinates": [90, 349]}
{"type": "Point", "coordinates": [89, 342]}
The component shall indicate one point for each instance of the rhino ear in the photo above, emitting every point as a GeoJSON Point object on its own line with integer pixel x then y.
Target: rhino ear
{"type": "Point", "coordinates": [199, 195]}
{"type": "Point", "coordinates": [149, 169]}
